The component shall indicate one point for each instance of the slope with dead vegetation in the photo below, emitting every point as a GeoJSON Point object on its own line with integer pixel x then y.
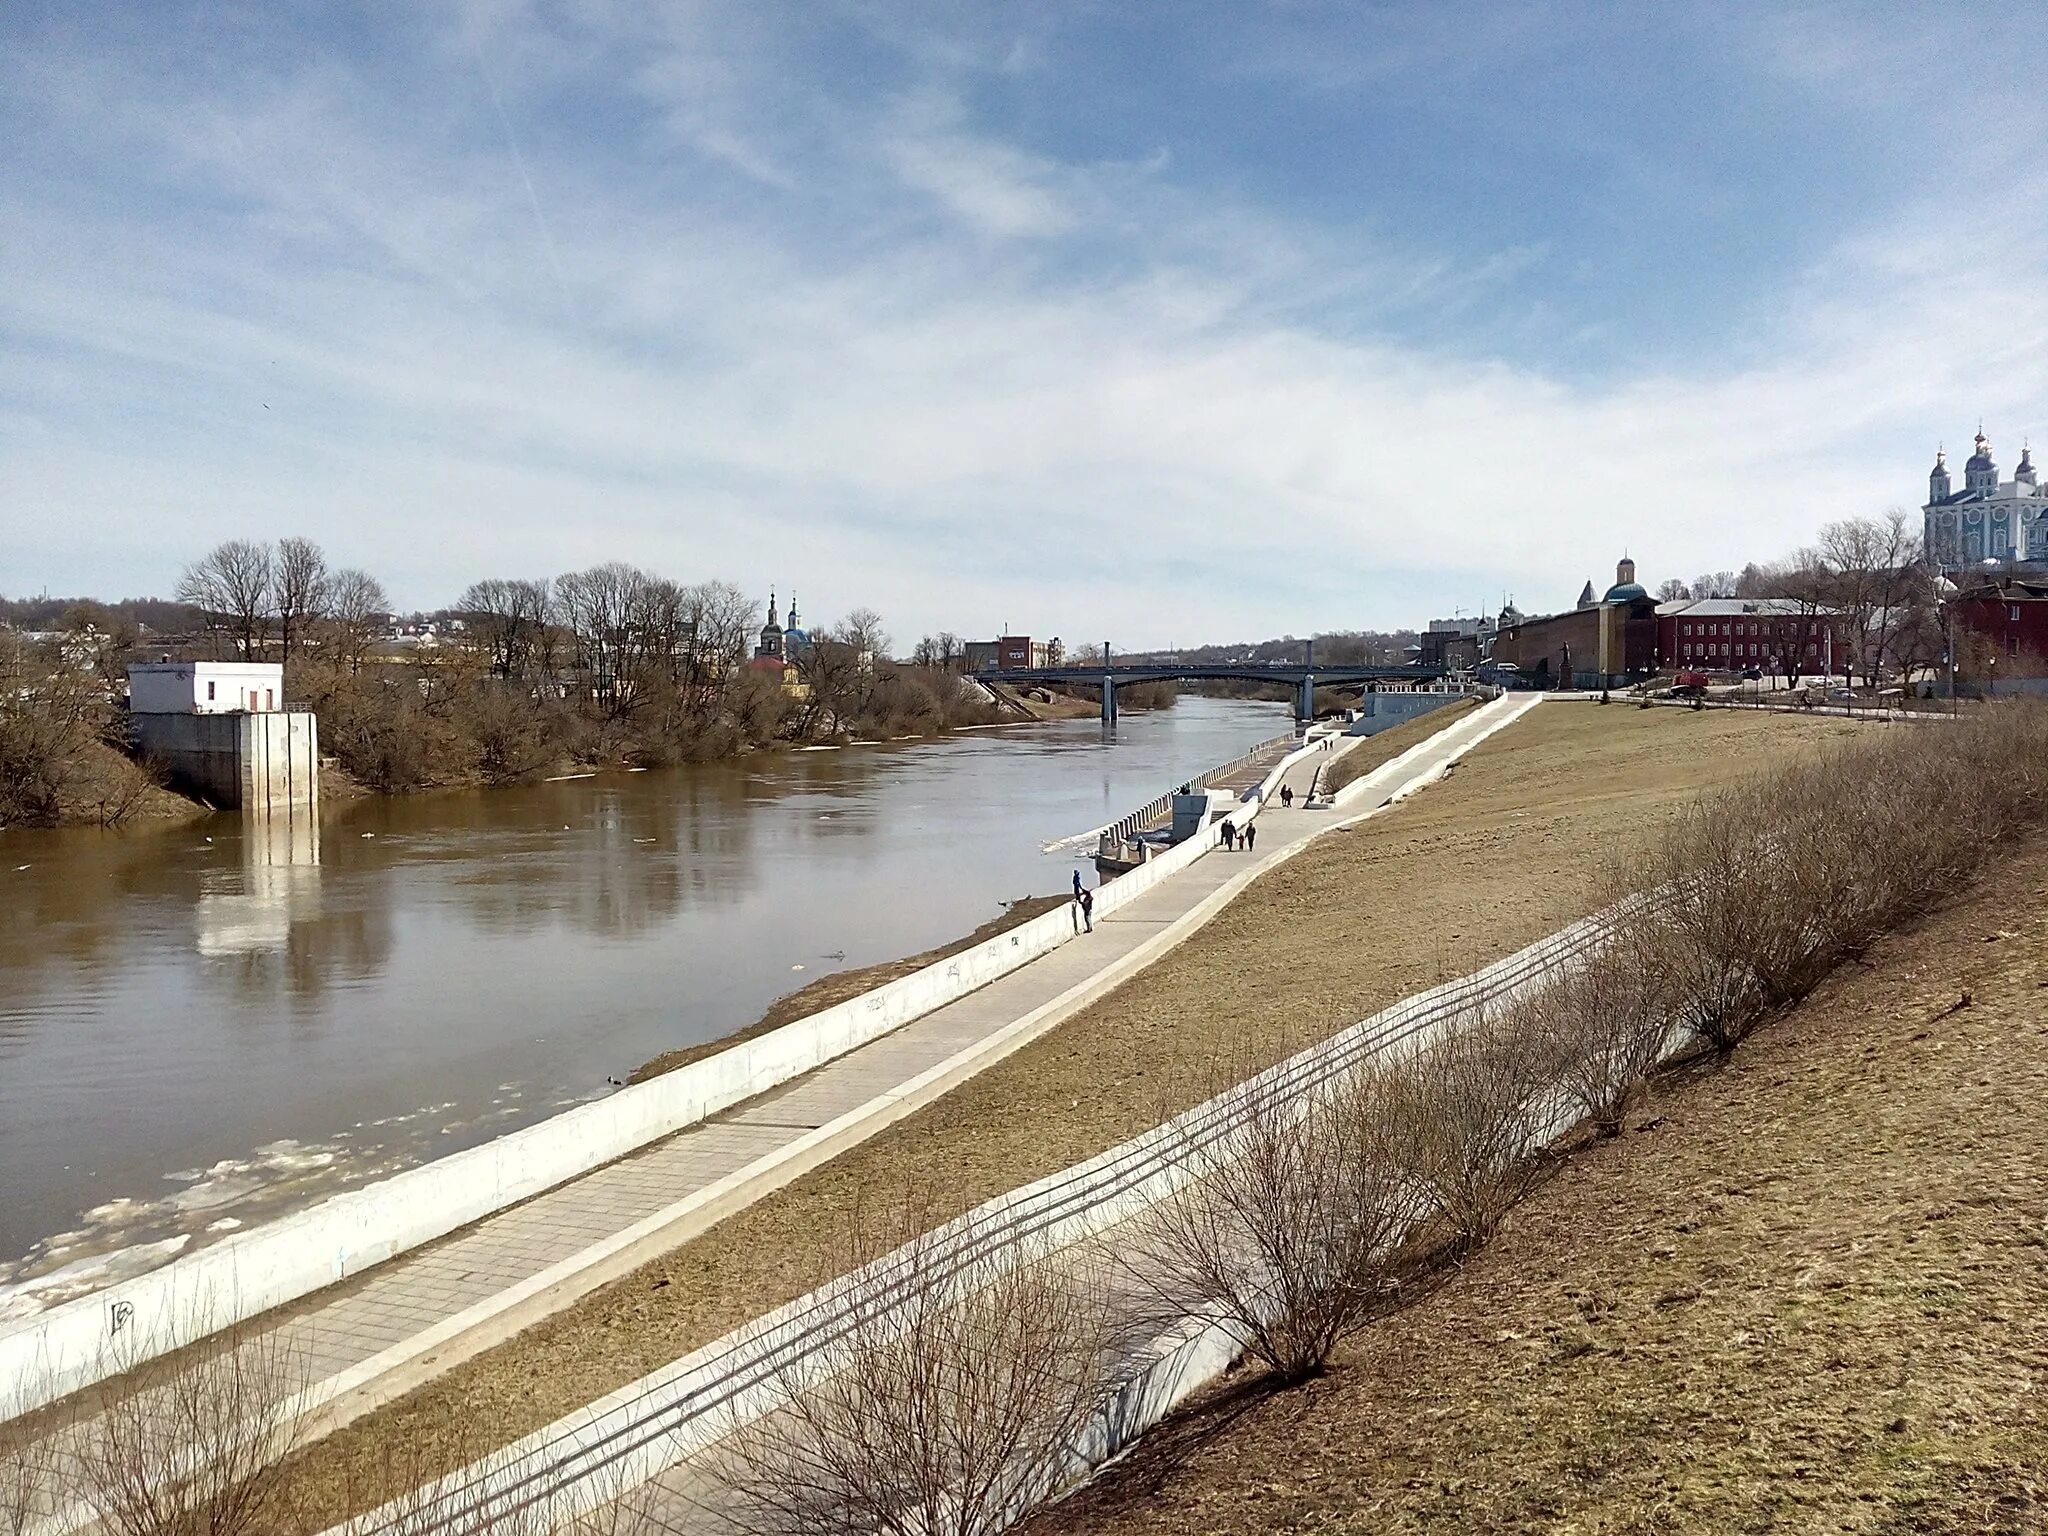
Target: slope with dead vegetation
{"type": "Point", "coordinates": [1806, 1289]}
{"type": "Point", "coordinates": [1507, 850]}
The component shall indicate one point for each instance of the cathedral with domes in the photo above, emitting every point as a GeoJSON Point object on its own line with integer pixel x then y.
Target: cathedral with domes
{"type": "Point", "coordinates": [1988, 519]}
{"type": "Point", "coordinates": [780, 647]}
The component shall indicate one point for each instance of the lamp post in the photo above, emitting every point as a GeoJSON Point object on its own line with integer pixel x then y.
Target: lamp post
{"type": "Point", "coordinates": [1948, 649]}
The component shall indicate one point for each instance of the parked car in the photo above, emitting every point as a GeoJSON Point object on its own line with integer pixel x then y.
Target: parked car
{"type": "Point", "coordinates": [1689, 685]}
{"type": "Point", "coordinates": [1752, 674]}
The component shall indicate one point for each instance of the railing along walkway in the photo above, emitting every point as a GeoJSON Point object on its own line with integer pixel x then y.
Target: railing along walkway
{"type": "Point", "coordinates": [641, 1432]}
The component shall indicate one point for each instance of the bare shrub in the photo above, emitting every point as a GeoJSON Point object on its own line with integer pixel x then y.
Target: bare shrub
{"type": "Point", "coordinates": [1460, 1115]}
{"type": "Point", "coordinates": [1602, 1026]}
{"type": "Point", "coordinates": [1283, 1238]}
{"type": "Point", "coordinates": [953, 1401]}
{"type": "Point", "coordinates": [1763, 888]}
{"type": "Point", "coordinates": [194, 1446]}
{"type": "Point", "coordinates": [32, 1483]}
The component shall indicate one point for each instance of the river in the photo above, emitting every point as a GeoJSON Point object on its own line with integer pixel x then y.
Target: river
{"type": "Point", "coordinates": [202, 1027]}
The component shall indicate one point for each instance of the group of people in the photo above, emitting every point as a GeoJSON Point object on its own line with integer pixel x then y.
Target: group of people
{"type": "Point", "coordinates": [1235, 839]}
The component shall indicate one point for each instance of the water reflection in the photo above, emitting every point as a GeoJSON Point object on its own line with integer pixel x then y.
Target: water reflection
{"type": "Point", "coordinates": [210, 1020]}
{"type": "Point", "coordinates": [251, 910]}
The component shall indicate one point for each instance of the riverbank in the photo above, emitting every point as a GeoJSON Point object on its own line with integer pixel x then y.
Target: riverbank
{"type": "Point", "coordinates": [1508, 849]}
{"type": "Point", "coordinates": [842, 985]}
{"type": "Point", "coordinates": [1806, 1291]}
{"type": "Point", "coordinates": [567, 933]}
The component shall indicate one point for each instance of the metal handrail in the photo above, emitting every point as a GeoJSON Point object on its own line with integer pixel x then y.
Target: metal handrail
{"type": "Point", "coordinates": [1124, 828]}
{"type": "Point", "coordinates": [670, 1413]}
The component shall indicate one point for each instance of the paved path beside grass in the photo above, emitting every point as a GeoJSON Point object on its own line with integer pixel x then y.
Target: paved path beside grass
{"type": "Point", "coordinates": [409, 1319]}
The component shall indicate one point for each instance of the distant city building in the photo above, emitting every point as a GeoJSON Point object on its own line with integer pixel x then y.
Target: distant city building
{"type": "Point", "coordinates": [2006, 622]}
{"type": "Point", "coordinates": [1457, 643]}
{"type": "Point", "coordinates": [1023, 651]}
{"type": "Point", "coordinates": [778, 648]}
{"type": "Point", "coordinates": [1986, 519]}
{"type": "Point", "coordinates": [1732, 634]}
{"type": "Point", "coordinates": [978, 655]}
{"type": "Point", "coordinates": [1599, 643]}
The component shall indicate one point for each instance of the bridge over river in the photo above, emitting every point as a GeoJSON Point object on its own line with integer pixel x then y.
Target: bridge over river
{"type": "Point", "coordinates": [1304, 676]}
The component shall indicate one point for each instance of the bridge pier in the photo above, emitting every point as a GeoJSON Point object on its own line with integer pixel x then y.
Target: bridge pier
{"type": "Point", "coordinates": [1305, 699]}
{"type": "Point", "coordinates": [1108, 700]}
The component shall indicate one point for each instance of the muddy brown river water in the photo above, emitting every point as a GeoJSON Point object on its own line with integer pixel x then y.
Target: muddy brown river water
{"type": "Point", "coordinates": [204, 1026]}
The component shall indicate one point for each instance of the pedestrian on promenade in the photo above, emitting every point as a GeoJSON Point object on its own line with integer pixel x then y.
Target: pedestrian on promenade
{"type": "Point", "coordinates": [1251, 835]}
{"type": "Point", "coordinates": [1287, 794]}
{"type": "Point", "coordinates": [1088, 908]}
{"type": "Point", "coordinates": [1077, 885]}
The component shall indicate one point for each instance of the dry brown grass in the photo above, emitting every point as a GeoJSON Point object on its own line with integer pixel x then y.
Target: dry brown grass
{"type": "Point", "coordinates": [1808, 1292]}
{"type": "Point", "coordinates": [1505, 851]}
{"type": "Point", "coordinates": [1389, 744]}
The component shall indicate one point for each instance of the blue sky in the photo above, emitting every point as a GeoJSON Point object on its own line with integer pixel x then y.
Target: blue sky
{"type": "Point", "coordinates": [1166, 322]}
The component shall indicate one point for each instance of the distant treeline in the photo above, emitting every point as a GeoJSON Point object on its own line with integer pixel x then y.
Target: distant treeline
{"type": "Point", "coordinates": [608, 666]}
{"type": "Point", "coordinates": [154, 614]}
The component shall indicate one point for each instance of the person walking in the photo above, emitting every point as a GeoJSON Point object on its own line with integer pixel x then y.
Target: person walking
{"type": "Point", "coordinates": [1088, 908]}
{"type": "Point", "coordinates": [1251, 835]}
{"type": "Point", "coordinates": [1287, 794]}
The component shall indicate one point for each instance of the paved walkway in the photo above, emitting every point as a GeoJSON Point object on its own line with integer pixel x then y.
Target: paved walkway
{"type": "Point", "coordinates": [416, 1315]}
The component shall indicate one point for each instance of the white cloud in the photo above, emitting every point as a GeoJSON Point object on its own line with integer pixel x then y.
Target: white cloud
{"type": "Point", "coordinates": [996, 190]}
{"type": "Point", "coordinates": [950, 427]}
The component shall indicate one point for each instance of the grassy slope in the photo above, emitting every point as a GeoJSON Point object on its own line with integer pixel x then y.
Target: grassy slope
{"type": "Point", "coordinates": [1506, 850]}
{"type": "Point", "coordinates": [1809, 1292]}
{"type": "Point", "coordinates": [841, 985]}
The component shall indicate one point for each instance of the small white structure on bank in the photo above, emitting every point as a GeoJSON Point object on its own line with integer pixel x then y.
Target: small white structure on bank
{"type": "Point", "coordinates": [205, 687]}
{"type": "Point", "coordinates": [222, 731]}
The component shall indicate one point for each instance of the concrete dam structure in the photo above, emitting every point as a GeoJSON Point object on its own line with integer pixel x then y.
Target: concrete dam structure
{"type": "Point", "coordinates": [217, 730]}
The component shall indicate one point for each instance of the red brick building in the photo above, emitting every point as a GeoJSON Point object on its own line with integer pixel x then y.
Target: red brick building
{"type": "Point", "coordinates": [1023, 651]}
{"type": "Point", "coordinates": [2009, 620]}
{"type": "Point", "coordinates": [1604, 642]}
{"type": "Point", "coordinates": [1731, 634]}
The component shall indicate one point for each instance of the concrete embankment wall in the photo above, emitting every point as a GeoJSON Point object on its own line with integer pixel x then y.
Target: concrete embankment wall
{"type": "Point", "coordinates": [259, 763]}
{"type": "Point", "coordinates": [70, 1346]}
{"type": "Point", "coordinates": [1383, 711]}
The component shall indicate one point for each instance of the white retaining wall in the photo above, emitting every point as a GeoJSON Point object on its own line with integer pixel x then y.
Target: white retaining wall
{"type": "Point", "coordinates": [632, 1435]}
{"type": "Point", "coordinates": [47, 1356]}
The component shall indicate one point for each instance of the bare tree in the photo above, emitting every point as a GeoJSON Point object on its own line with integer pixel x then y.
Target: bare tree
{"type": "Point", "coordinates": [954, 1401]}
{"type": "Point", "coordinates": [723, 620]}
{"type": "Point", "coordinates": [356, 605]}
{"type": "Point", "coordinates": [1603, 1025]}
{"type": "Point", "coordinates": [1463, 1112]}
{"type": "Point", "coordinates": [1673, 590]}
{"type": "Point", "coordinates": [195, 1446]}
{"type": "Point", "coordinates": [861, 630]}
{"type": "Point", "coordinates": [299, 590]}
{"type": "Point", "coordinates": [1284, 1238]}
{"type": "Point", "coordinates": [1878, 580]}
{"type": "Point", "coordinates": [509, 620]}
{"type": "Point", "coordinates": [605, 610]}
{"type": "Point", "coordinates": [233, 584]}
{"type": "Point", "coordinates": [32, 1475]}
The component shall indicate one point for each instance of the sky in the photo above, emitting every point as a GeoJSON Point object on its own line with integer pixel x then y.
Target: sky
{"type": "Point", "coordinates": [1155, 323]}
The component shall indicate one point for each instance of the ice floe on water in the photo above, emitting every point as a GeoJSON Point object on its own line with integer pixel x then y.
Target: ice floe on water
{"type": "Point", "coordinates": [80, 1277]}
{"type": "Point", "coordinates": [131, 1235]}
